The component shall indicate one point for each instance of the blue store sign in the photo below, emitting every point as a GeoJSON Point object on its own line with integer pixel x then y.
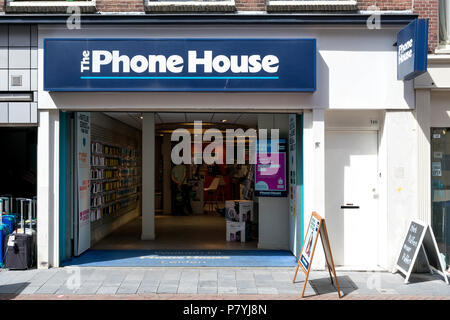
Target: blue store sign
{"type": "Point", "coordinates": [412, 50]}
{"type": "Point", "coordinates": [180, 65]}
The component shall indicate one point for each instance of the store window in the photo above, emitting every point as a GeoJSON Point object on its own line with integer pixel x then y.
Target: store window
{"type": "Point", "coordinates": [444, 22]}
{"type": "Point", "coordinates": [440, 189]}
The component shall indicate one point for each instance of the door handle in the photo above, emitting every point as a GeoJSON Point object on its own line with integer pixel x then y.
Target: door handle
{"type": "Point", "coordinates": [349, 206]}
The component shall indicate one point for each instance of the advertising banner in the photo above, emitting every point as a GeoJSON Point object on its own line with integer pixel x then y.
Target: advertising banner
{"type": "Point", "coordinates": [270, 175]}
{"type": "Point", "coordinates": [83, 152]}
{"type": "Point", "coordinates": [292, 164]}
{"type": "Point", "coordinates": [310, 240]}
{"type": "Point", "coordinates": [285, 65]}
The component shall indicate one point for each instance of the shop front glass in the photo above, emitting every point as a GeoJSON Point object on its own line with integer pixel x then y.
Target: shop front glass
{"type": "Point", "coordinates": [440, 189]}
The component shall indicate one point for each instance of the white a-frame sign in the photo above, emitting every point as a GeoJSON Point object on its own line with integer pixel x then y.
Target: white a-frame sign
{"type": "Point", "coordinates": [419, 237]}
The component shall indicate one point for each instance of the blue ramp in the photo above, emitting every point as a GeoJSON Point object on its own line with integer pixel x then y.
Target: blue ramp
{"type": "Point", "coordinates": [184, 258]}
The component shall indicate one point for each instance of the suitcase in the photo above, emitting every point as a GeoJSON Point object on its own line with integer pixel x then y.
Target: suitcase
{"type": "Point", "coordinates": [10, 222]}
{"type": "Point", "coordinates": [20, 246]}
{"type": "Point", "coordinates": [18, 251]}
{"type": "Point", "coordinates": [3, 235]}
{"type": "Point", "coordinates": [8, 218]}
{"type": "Point", "coordinates": [5, 204]}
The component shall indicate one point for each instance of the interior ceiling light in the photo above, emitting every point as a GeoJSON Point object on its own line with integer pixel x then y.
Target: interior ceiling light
{"type": "Point", "coordinates": [224, 120]}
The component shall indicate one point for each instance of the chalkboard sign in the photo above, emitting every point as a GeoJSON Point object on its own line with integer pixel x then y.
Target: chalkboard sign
{"type": "Point", "coordinates": [419, 238]}
{"type": "Point", "coordinates": [410, 246]}
{"type": "Point", "coordinates": [316, 226]}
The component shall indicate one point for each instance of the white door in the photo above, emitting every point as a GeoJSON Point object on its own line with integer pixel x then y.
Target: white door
{"type": "Point", "coordinates": [351, 162]}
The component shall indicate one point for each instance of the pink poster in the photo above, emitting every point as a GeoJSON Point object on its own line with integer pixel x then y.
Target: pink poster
{"type": "Point", "coordinates": [270, 176]}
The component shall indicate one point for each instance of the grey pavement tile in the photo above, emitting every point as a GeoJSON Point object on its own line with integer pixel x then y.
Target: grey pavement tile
{"type": "Point", "coordinates": [227, 290]}
{"type": "Point", "coordinates": [128, 288]}
{"type": "Point", "coordinates": [169, 282]}
{"type": "Point", "coordinates": [190, 275]}
{"type": "Point", "coordinates": [150, 282]}
{"type": "Point", "coordinates": [207, 290]}
{"type": "Point", "coordinates": [28, 290]}
{"type": "Point", "coordinates": [48, 289]}
{"type": "Point", "coordinates": [226, 283]}
{"type": "Point", "coordinates": [264, 283]}
{"type": "Point", "coordinates": [208, 275]}
{"type": "Point", "coordinates": [92, 283]}
{"type": "Point", "coordinates": [56, 281]}
{"type": "Point", "coordinates": [278, 276]}
{"type": "Point", "coordinates": [267, 290]}
{"type": "Point", "coordinates": [107, 290]}
{"type": "Point", "coordinates": [207, 283]}
{"type": "Point", "coordinates": [88, 289]}
{"type": "Point", "coordinates": [167, 289]}
{"type": "Point", "coordinates": [230, 275]}
{"type": "Point", "coordinates": [289, 291]}
{"type": "Point", "coordinates": [244, 275]}
{"type": "Point", "coordinates": [66, 290]}
{"type": "Point", "coordinates": [154, 274]}
{"type": "Point", "coordinates": [147, 289]}
{"type": "Point", "coordinates": [12, 288]}
{"type": "Point", "coordinates": [263, 277]}
{"type": "Point", "coordinates": [245, 284]}
{"type": "Point", "coordinates": [135, 276]}
{"type": "Point", "coordinates": [171, 276]}
{"type": "Point", "coordinates": [247, 290]}
{"type": "Point", "coordinates": [187, 289]}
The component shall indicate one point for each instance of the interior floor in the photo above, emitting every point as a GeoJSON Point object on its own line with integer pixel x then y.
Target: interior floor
{"type": "Point", "coordinates": [201, 232]}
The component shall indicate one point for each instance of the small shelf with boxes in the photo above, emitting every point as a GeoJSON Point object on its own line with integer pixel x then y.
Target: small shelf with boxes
{"type": "Point", "coordinates": [115, 180]}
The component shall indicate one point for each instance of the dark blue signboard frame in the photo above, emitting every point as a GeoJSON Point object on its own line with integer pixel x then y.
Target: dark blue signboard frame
{"type": "Point", "coordinates": [296, 72]}
{"type": "Point", "coordinates": [412, 50]}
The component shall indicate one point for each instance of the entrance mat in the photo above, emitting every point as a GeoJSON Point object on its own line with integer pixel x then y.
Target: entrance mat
{"type": "Point", "coordinates": [184, 258]}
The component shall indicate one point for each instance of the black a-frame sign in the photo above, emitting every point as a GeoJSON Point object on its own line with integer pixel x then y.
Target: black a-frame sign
{"type": "Point", "coordinates": [419, 237]}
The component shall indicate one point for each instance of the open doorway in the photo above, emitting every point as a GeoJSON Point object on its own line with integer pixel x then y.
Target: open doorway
{"type": "Point", "coordinates": [203, 211]}
{"type": "Point", "coordinates": [197, 206]}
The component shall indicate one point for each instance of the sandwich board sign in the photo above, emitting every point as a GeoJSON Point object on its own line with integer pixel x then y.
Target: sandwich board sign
{"type": "Point", "coordinates": [419, 237]}
{"type": "Point", "coordinates": [316, 226]}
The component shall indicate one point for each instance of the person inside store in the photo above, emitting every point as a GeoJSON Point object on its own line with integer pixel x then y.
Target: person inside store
{"type": "Point", "coordinates": [180, 191]}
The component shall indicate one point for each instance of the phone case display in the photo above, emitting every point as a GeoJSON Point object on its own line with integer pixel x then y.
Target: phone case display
{"type": "Point", "coordinates": [115, 179]}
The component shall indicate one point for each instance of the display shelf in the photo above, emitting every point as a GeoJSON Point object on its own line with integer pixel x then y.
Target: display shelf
{"type": "Point", "coordinates": [119, 193]}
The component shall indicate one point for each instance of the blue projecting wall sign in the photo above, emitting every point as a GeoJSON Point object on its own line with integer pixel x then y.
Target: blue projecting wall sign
{"type": "Point", "coordinates": [412, 50]}
{"type": "Point", "coordinates": [180, 65]}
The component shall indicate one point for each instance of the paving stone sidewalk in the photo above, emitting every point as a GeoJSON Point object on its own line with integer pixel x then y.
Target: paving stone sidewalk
{"type": "Point", "coordinates": [214, 283]}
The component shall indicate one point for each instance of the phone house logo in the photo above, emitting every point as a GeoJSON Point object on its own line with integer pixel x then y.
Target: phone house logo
{"type": "Point", "coordinates": [405, 51]}
{"type": "Point", "coordinates": [204, 62]}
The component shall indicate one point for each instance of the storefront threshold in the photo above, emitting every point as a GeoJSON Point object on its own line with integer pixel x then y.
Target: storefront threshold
{"type": "Point", "coordinates": [183, 258]}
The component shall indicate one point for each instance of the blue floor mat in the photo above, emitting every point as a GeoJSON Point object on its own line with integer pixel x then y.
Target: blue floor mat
{"type": "Point", "coordinates": [184, 258]}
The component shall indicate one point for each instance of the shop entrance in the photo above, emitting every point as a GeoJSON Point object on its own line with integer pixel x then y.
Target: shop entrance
{"type": "Point", "coordinates": [191, 200]}
{"type": "Point", "coordinates": [351, 201]}
{"type": "Point", "coordinates": [204, 205]}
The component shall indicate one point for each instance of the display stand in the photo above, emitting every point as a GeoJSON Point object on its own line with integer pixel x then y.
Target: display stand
{"type": "Point", "coordinates": [316, 226]}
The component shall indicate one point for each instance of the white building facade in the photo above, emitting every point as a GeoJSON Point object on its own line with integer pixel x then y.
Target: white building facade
{"type": "Point", "coordinates": [364, 160]}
